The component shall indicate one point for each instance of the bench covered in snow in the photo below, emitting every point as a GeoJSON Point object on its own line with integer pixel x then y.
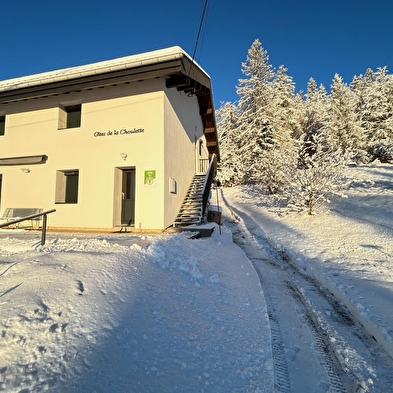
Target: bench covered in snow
{"type": "Point", "coordinates": [13, 213]}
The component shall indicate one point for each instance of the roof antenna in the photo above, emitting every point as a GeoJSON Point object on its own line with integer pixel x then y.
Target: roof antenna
{"type": "Point", "coordinates": [197, 40]}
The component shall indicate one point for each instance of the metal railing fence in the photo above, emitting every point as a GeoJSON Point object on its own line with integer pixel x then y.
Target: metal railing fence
{"type": "Point", "coordinates": [31, 217]}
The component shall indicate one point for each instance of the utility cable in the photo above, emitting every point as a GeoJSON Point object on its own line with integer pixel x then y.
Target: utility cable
{"type": "Point", "coordinates": [197, 39]}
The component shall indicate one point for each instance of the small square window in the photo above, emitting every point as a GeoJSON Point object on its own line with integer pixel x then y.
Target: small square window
{"type": "Point", "coordinates": [2, 125]}
{"type": "Point", "coordinates": [67, 185]}
{"type": "Point", "coordinates": [70, 116]}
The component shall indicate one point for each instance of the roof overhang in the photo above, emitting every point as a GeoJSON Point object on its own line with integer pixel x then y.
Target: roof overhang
{"type": "Point", "coordinates": [180, 71]}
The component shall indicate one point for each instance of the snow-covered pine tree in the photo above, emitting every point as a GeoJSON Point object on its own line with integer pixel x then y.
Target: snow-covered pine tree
{"type": "Point", "coordinates": [230, 169]}
{"type": "Point", "coordinates": [342, 123]}
{"type": "Point", "coordinates": [315, 111]}
{"type": "Point", "coordinates": [316, 166]}
{"type": "Point", "coordinates": [255, 92]}
{"type": "Point", "coordinates": [312, 88]}
{"type": "Point", "coordinates": [316, 174]}
{"type": "Point", "coordinates": [316, 96]}
{"type": "Point", "coordinates": [264, 103]}
{"type": "Point", "coordinates": [285, 107]}
{"type": "Point", "coordinates": [374, 91]}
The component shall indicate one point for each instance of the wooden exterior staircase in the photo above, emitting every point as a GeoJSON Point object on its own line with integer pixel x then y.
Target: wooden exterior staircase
{"type": "Point", "coordinates": [191, 211]}
{"type": "Point", "coordinates": [193, 208]}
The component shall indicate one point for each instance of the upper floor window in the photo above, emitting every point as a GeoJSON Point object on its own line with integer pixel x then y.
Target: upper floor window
{"type": "Point", "coordinates": [70, 116]}
{"type": "Point", "coordinates": [2, 125]}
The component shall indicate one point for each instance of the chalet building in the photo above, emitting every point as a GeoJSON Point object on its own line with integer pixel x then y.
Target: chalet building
{"type": "Point", "coordinates": [110, 144]}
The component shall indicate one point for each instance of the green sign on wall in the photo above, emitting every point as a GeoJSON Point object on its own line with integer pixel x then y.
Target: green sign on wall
{"type": "Point", "coordinates": [150, 178]}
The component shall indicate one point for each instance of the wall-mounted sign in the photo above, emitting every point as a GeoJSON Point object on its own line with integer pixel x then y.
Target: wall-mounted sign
{"type": "Point", "coordinates": [150, 178]}
{"type": "Point", "coordinates": [123, 131]}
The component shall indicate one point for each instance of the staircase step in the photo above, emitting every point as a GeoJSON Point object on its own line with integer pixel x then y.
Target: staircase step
{"type": "Point", "coordinates": [193, 207]}
{"type": "Point", "coordinates": [182, 218]}
{"type": "Point", "coordinates": [194, 194]}
{"type": "Point", "coordinates": [187, 221]}
{"type": "Point", "coordinates": [193, 199]}
{"type": "Point", "coordinates": [189, 214]}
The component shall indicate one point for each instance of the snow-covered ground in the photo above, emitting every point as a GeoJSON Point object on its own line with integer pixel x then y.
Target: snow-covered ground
{"type": "Point", "coordinates": [129, 313]}
{"type": "Point", "coordinates": [347, 246]}
{"type": "Point", "coordinates": [124, 313]}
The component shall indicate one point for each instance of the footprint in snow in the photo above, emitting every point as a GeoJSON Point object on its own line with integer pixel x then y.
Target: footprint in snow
{"type": "Point", "coordinates": [81, 287]}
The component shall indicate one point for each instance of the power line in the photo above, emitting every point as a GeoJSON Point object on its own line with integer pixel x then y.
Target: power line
{"type": "Point", "coordinates": [197, 38]}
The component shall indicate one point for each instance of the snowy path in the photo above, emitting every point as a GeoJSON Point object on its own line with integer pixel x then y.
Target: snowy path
{"type": "Point", "coordinates": [320, 340]}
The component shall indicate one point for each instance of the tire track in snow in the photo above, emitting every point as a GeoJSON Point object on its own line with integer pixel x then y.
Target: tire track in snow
{"type": "Point", "coordinates": [332, 367]}
{"type": "Point", "coordinates": [359, 354]}
{"type": "Point", "coordinates": [325, 374]}
{"type": "Point", "coordinates": [355, 360]}
{"type": "Point", "coordinates": [281, 375]}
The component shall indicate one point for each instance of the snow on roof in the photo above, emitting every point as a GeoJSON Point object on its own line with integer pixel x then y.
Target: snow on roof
{"type": "Point", "coordinates": [122, 63]}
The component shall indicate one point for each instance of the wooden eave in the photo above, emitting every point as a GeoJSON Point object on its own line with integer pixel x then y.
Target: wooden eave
{"type": "Point", "coordinates": [192, 81]}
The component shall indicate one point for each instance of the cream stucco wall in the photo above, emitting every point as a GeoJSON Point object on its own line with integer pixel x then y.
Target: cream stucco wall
{"type": "Point", "coordinates": [95, 149]}
{"type": "Point", "coordinates": [183, 129]}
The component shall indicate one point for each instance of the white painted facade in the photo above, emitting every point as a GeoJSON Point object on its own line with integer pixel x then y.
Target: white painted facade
{"type": "Point", "coordinates": [136, 147]}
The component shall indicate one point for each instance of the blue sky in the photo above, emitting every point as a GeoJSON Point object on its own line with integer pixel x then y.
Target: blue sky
{"type": "Point", "coordinates": [311, 38]}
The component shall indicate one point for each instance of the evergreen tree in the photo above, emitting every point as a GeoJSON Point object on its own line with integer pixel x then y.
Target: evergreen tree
{"type": "Point", "coordinates": [316, 174]}
{"type": "Point", "coordinates": [298, 145]}
{"type": "Point", "coordinates": [343, 124]}
{"type": "Point", "coordinates": [255, 131]}
{"type": "Point", "coordinates": [284, 107]}
{"type": "Point", "coordinates": [316, 103]}
{"type": "Point", "coordinates": [255, 90]}
{"type": "Point", "coordinates": [265, 105]}
{"type": "Point", "coordinates": [374, 91]}
{"type": "Point", "coordinates": [230, 169]}
{"type": "Point", "coordinates": [314, 117]}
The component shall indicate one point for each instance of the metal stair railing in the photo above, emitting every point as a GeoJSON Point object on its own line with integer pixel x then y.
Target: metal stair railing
{"type": "Point", "coordinates": [208, 182]}
{"type": "Point", "coordinates": [32, 216]}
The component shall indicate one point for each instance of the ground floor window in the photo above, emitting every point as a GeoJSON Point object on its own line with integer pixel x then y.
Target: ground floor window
{"type": "Point", "coordinates": [67, 185]}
